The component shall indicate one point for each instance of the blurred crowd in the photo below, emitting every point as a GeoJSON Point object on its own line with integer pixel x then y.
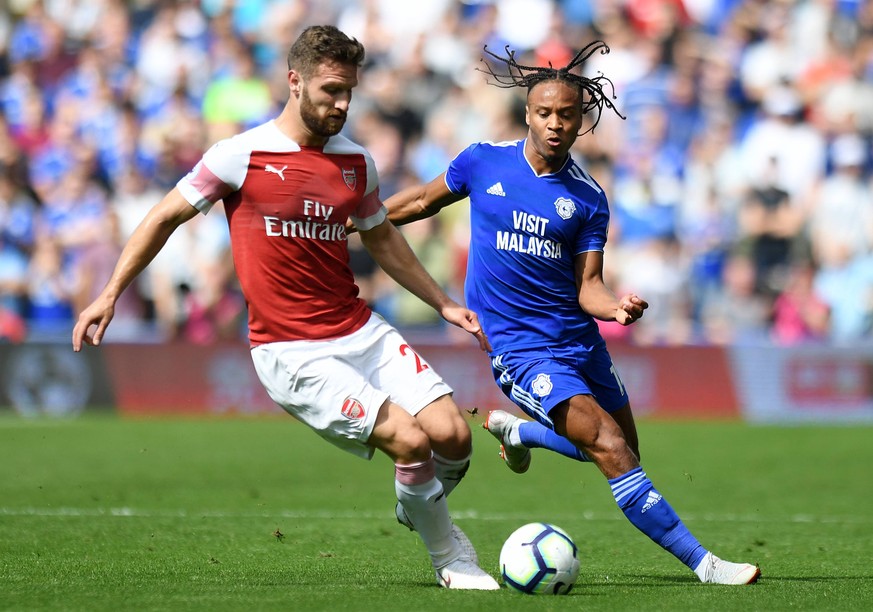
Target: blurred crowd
{"type": "Point", "coordinates": [739, 178]}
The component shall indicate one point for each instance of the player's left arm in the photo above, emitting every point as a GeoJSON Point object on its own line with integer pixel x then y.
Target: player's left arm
{"type": "Point", "coordinates": [597, 299]}
{"type": "Point", "coordinates": [390, 250]}
{"type": "Point", "coordinates": [417, 202]}
{"type": "Point", "coordinates": [420, 201]}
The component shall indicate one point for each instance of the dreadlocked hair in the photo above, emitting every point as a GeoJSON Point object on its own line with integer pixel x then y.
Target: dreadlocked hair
{"type": "Point", "coordinates": [591, 90]}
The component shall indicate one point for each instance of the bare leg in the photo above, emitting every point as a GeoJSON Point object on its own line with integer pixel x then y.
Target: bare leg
{"type": "Point", "coordinates": [532, 434]}
{"type": "Point", "coordinates": [625, 419]}
{"type": "Point", "coordinates": [591, 429]}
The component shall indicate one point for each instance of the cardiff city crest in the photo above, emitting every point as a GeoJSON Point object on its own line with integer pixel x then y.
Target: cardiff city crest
{"type": "Point", "coordinates": [565, 208]}
{"type": "Point", "coordinates": [542, 385]}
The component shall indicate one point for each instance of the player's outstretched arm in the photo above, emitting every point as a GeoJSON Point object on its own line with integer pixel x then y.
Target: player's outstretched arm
{"type": "Point", "coordinates": [145, 242]}
{"type": "Point", "coordinates": [467, 320]}
{"type": "Point", "coordinates": [597, 299]}
{"type": "Point", "coordinates": [420, 201]}
{"type": "Point", "coordinates": [390, 250]}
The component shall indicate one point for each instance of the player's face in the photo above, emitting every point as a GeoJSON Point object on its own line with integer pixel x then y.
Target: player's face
{"type": "Point", "coordinates": [325, 98]}
{"type": "Point", "coordinates": [554, 116]}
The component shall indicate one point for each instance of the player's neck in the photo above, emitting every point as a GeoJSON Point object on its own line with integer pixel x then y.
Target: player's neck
{"type": "Point", "coordinates": [294, 129]}
{"type": "Point", "coordinates": [539, 163]}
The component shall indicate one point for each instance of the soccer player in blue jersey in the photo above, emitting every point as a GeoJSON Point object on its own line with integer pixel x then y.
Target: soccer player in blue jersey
{"type": "Point", "coordinates": [535, 277]}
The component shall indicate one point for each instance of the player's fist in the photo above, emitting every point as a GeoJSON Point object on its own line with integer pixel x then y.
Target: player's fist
{"type": "Point", "coordinates": [630, 308]}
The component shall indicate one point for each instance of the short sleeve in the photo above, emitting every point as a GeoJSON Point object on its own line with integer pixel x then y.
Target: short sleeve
{"type": "Point", "coordinates": [594, 228]}
{"type": "Point", "coordinates": [220, 173]}
{"type": "Point", "coordinates": [459, 172]}
{"type": "Point", "coordinates": [370, 213]}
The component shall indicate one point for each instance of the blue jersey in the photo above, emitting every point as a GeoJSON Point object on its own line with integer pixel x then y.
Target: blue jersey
{"type": "Point", "coordinates": [526, 231]}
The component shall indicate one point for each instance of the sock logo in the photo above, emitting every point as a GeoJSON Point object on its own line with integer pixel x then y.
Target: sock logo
{"type": "Point", "coordinates": [653, 498]}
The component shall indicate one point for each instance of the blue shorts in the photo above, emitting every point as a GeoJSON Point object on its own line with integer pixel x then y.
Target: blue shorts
{"type": "Point", "coordinates": [539, 379]}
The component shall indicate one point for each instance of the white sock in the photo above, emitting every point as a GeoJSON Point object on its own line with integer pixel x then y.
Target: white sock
{"type": "Point", "coordinates": [701, 568]}
{"type": "Point", "coordinates": [425, 505]}
{"type": "Point", "coordinates": [450, 471]}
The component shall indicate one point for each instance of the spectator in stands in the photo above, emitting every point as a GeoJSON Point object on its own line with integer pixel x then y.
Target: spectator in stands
{"type": "Point", "coordinates": [739, 314]}
{"type": "Point", "coordinates": [17, 221]}
{"type": "Point", "coordinates": [841, 204]}
{"type": "Point", "coordinates": [845, 284]}
{"type": "Point", "coordinates": [799, 314]}
{"type": "Point", "coordinates": [770, 225]}
{"type": "Point", "coordinates": [841, 229]}
{"type": "Point", "coordinates": [51, 288]}
{"type": "Point", "coordinates": [238, 97]}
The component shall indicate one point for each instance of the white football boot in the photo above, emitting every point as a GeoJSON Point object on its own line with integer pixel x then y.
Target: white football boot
{"type": "Point", "coordinates": [461, 574]}
{"type": "Point", "coordinates": [499, 423]}
{"type": "Point", "coordinates": [718, 571]}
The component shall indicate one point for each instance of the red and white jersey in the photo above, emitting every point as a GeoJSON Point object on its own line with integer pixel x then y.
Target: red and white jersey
{"type": "Point", "coordinates": [287, 207]}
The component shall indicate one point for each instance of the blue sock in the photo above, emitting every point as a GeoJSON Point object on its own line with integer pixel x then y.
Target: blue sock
{"type": "Point", "coordinates": [651, 514]}
{"type": "Point", "coordinates": [537, 435]}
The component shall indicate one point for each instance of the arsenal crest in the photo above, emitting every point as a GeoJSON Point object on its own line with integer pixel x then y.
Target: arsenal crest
{"type": "Point", "coordinates": [352, 409]}
{"type": "Point", "coordinates": [350, 178]}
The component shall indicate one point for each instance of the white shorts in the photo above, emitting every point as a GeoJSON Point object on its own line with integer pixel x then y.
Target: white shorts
{"type": "Point", "coordinates": [337, 386]}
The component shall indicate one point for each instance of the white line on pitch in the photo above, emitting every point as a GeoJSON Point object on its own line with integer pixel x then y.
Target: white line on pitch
{"type": "Point", "coordinates": [461, 515]}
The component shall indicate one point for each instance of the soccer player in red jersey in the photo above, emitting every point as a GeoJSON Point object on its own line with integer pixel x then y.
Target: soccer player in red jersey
{"type": "Point", "coordinates": [288, 188]}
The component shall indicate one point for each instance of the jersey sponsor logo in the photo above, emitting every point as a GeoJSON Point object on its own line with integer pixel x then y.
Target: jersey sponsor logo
{"type": "Point", "coordinates": [530, 245]}
{"type": "Point", "coordinates": [315, 226]}
{"type": "Point", "coordinates": [352, 409]}
{"type": "Point", "coordinates": [280, 172]}
{"type": "Point", "coordinates": [522, 242]}
{"type": "Point", "coordinates": [542, 385]}
{"type": "Point", "coordinates": [295, 228]}
{"type": "Point", "coordinates": [350, 178]}
{"type": "Point", "coordinates": [565, 208]}
{"type": "Point", "coordinates": [526, 222]}
{"type": "Point", "coordinates": [496, 189]}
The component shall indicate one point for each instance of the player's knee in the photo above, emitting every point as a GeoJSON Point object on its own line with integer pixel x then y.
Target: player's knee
{"type": "Point", "coordinates": [448, 430]}
{"type": "Point", "coordinates": [411, 445]}
{"type": "Point", "coordinates": [610, 444]}
{"type": "Point", "coordinates": [455, 441]}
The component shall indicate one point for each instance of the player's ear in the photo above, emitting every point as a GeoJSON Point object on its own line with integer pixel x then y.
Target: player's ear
{"type": "Point", "coordinates": [295, 83]}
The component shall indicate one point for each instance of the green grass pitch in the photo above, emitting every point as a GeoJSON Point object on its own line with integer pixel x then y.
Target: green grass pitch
{"type": "Point", "coordinates": [260, 514]}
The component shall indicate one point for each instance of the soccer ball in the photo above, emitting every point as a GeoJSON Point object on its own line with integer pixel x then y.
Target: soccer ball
{"type": "Point", "coordinates": [539, 558]}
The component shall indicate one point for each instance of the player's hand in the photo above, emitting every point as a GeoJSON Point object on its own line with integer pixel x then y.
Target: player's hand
{"type": "Point", "coordinates": [630, 308]}
{"type": "Point", "coordinates": [468, 321]}
{"type": "Point", "coordinates": [99, 313]}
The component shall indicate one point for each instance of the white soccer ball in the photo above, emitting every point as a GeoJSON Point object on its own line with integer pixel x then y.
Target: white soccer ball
{"type": "Point", "coordinates": [539, 558]}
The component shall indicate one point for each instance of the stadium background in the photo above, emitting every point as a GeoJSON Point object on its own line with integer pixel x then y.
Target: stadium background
{"type": "Point", "coordinates": [740, 186]}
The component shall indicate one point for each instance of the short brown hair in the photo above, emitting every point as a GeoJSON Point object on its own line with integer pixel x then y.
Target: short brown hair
{"type": "Point", "coordinates": [317, 44]}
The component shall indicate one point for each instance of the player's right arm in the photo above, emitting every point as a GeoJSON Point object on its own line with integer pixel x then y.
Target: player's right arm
{"type": "Point", "coordinates": [145, 242]}
{"type": "Point", "coordinates": [420, 201]}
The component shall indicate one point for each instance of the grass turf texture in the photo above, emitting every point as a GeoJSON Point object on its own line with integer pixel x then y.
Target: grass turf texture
{"type": "Point", "coordinates": [110, 514]}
